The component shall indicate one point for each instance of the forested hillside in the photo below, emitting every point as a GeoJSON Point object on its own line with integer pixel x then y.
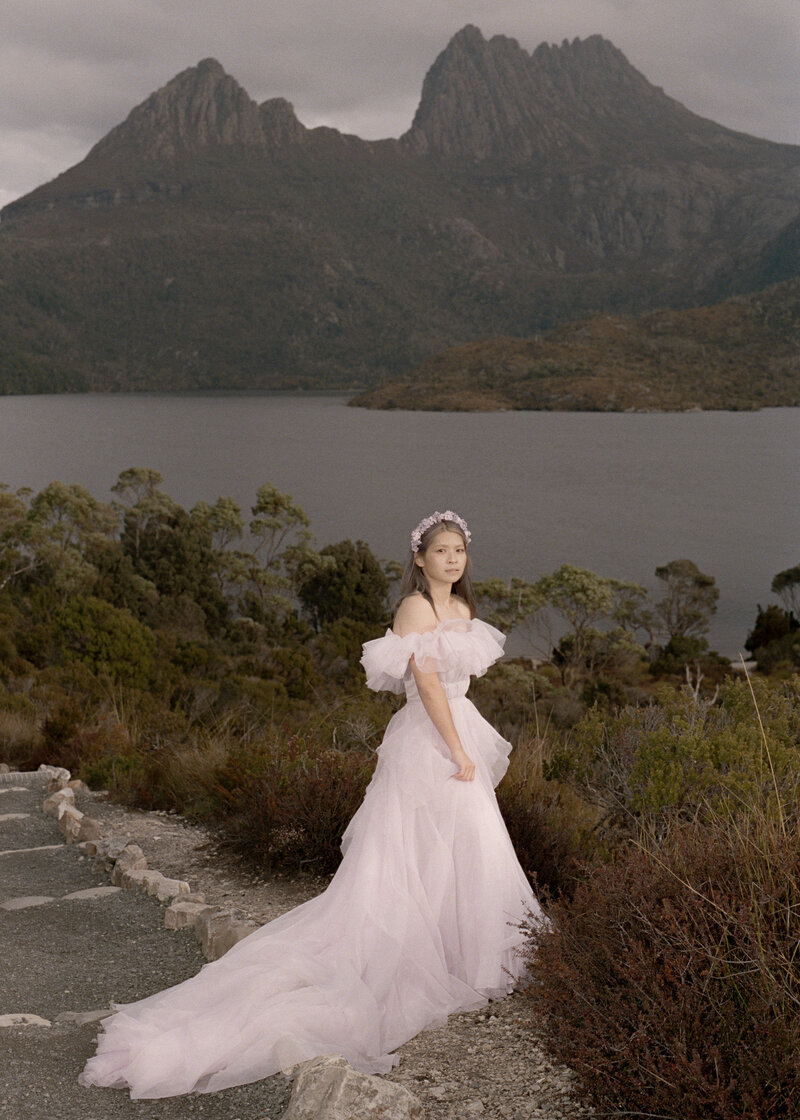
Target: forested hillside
{"type": "Point", "coordinates": [744, 353]}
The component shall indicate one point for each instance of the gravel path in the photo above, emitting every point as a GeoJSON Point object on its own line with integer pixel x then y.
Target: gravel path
{"type": "Point", "coordinates": [480, 1064]}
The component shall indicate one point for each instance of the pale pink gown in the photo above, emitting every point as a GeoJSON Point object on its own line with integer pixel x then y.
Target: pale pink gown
{"type": "Point", "coordinates": [421, 919]}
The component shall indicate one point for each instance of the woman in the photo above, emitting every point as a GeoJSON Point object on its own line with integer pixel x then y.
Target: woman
{"type": "Point", "coordinates": [423, 915]}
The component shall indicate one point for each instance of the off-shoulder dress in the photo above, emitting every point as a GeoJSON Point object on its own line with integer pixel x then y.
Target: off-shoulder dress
{"type": "Point", "coordinates": [421, 919]}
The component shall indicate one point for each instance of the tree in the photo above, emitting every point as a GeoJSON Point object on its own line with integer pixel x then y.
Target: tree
{"type": "Point", "coordinates": [15, 558]}
{"type": "Point", "coordinates": [281, 557]}
{"type": "Point", "coordinates": [583, 599]}
{"type": "Point", "coordinates": [64, 524]}
{"type": "Point", "coordinates": [786, 584]}
{"type": "Point", "coordinates": [351, 584]}
{"type": "Point", "coordinates": [511, 605]}
{"type": "Point", "coordinates": [690, 599]}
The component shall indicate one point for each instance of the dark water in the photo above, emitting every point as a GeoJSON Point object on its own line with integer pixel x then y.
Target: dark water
{"type": "Point", "coordinates": [616, 493]}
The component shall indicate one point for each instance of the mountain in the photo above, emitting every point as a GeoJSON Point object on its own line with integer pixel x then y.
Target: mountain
{"type": "Point", "coordinates": [211, 242]}
{"type": "Point", "coordinates": [742, 353]}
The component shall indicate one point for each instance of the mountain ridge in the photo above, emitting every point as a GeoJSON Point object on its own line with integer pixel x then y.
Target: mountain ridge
{"type": "Point", "coordinates": [209, 241]}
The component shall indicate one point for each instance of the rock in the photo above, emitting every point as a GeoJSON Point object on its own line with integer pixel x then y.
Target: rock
{"type": "Point", "coordinates": [69, 821]}
{"type": "Point", "coordinates": [78, 786]}
{"type": "Point", "coordinates": [61, 797]}
{"type": "Point", "coordinates": [81, 1018]}
{"type": "Point", "coordinates": [23, 1019]}
{"type": "Point", "coordinates": [89, 831]}
{"type": "Point", "coordinates": [219, 930]}
{"type": "Point", "coordinates": [131, 858]}
{"type": "Point", "coordinates": [5, 768]}
{"type": "Point", "coordinates": [168, 889]}
{"type": "Point", "coordinates": [108, 851]}
{"type": "Point", "coordinates": [330, 1089]}
{"type": "Point", "coordinates": [54, 773]}
{"type": "Point", "coordinates": [130, 879]}
{"type": "Point", "coordinates": [183, 914]}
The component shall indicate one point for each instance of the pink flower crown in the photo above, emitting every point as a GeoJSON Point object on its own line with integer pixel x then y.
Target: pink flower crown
{"type": "Point", "coordinates": [435, 519]}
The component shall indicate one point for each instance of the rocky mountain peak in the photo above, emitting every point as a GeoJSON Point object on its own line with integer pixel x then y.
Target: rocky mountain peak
{"type": "Point", "coordinates": [486, 99]}
{"type": "Point", "coordinates": [201, 107]}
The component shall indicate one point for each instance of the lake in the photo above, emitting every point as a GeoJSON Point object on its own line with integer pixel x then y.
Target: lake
{"type": "Point", "coordinates": [614, 492]}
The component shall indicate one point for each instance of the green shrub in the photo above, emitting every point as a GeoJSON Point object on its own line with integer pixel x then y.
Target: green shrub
{"type": "Point", "coordinates": [108, 640]}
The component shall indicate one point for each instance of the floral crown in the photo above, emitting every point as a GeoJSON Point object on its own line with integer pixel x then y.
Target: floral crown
{"type": "Point", "coordinates": [435, 519]}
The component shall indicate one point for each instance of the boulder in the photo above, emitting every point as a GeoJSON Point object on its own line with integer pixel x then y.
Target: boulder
{"type": "Point", "coordinates": [89, 831]}
{"type": "Point", "coordinates": [168, 889]}
{"type": "Point", "coordinates": [219, 930]}
{"type": "Point", "coordinates": [183, 914]}
{"type": "Point", "coordinates": [5, 768]}
{"type": "Point", "coordinates": [61, 797]}
{"type": "Point", "coordinates": [330, 1089]}
{"type": "Point", "coordinates": [69, 821]}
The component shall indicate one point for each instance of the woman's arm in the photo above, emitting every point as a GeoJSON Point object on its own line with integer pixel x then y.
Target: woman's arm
{"type": "Point", "coordinates": [416, 615]}
{"type": "Point", "coordinates": [435, 702]}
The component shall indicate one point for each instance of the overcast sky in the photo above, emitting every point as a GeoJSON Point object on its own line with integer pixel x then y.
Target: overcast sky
{"type": "Point", "coordinates": [72, 69]}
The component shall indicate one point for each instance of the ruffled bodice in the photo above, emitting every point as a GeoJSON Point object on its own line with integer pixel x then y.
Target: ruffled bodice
{"type": "Point", "coordinates": [456, 649]}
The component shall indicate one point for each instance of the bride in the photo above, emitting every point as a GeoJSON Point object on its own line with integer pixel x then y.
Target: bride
{"type": "Point", "coordinates": [423, 916]}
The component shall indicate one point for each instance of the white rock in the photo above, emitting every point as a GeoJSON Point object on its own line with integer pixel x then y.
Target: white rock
{"type": "Point", "coordinates": [168, 889]}
{"type": "Point", "coordinates": [52, 803]}
{"type": "Point", "coordinates": [14, 816]}
{"type": "Point", "coordinates": [23, 1019]}
{"type": "Point", "coordinates": [330, 1089]}
{"type": "Point", "coordinates": [69, 821]}
{"type": "Point", "coordinates": [183, 914]}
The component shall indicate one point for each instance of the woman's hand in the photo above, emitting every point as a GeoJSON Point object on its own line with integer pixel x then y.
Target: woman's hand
{"type": "Point", "coordinates": [466, 767]}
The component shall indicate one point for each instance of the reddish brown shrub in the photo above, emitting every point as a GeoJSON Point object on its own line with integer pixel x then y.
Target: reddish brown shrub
{"type": "Point", "coordinates": [288, 802]}
{"type": "Point", "coordinates": [670, 981]}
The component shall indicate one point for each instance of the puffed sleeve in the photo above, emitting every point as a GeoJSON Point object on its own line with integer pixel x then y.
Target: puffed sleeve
{"type": "Point", "coordinates": [458, 647]}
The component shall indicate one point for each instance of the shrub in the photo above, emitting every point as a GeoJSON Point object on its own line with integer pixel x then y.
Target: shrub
{"type": "Point", "coordinates": [547, 822]}
{"type": "Point", "coordinates": [669, 982]}
{"type": "Point", "coordinates": [287, 801]}
{"type": "Point", "coordinates": [108, 640]}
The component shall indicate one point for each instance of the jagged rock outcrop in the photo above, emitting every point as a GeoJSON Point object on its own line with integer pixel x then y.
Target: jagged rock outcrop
{"type": "Point", "coordinates": [202, 107]}
{"type": "Point", "coordinates": [230, 247]}
{"type": "Point", "coordinates": [493, 100]}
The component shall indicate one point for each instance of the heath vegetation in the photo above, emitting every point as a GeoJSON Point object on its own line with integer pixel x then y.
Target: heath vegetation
{"type": "Point", "coordinates": [207, 661]}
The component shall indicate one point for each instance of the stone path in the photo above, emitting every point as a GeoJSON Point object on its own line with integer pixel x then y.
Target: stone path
{"type": "Point", "coordinates": [70, 944]}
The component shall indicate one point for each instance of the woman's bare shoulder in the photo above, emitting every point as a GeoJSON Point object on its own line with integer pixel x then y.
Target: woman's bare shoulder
{"type": "Point", "coordinates": [414, 616]}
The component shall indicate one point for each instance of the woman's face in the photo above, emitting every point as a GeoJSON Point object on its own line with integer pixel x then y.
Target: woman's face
{"type": "Point", "coordinates": [445, 558]}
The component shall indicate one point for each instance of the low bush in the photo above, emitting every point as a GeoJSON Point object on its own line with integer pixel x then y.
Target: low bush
{"type": "Point", "coordinates": [669, 982]}
{"type": "Point", "coordinates": [548, 823]}
{"type": "Point", "coordinates": [287, 801]}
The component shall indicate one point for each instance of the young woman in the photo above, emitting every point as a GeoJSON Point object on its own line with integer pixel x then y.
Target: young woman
{"type": "Point", "coordinates": [423, 915]}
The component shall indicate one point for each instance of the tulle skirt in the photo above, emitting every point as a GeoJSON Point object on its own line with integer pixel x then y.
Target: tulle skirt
{"type": "Point", "coordinates": [422, 919]}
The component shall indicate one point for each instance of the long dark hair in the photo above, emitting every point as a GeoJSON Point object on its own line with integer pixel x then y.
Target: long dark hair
{"type": "Point", "coordinates": [414, 579]}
